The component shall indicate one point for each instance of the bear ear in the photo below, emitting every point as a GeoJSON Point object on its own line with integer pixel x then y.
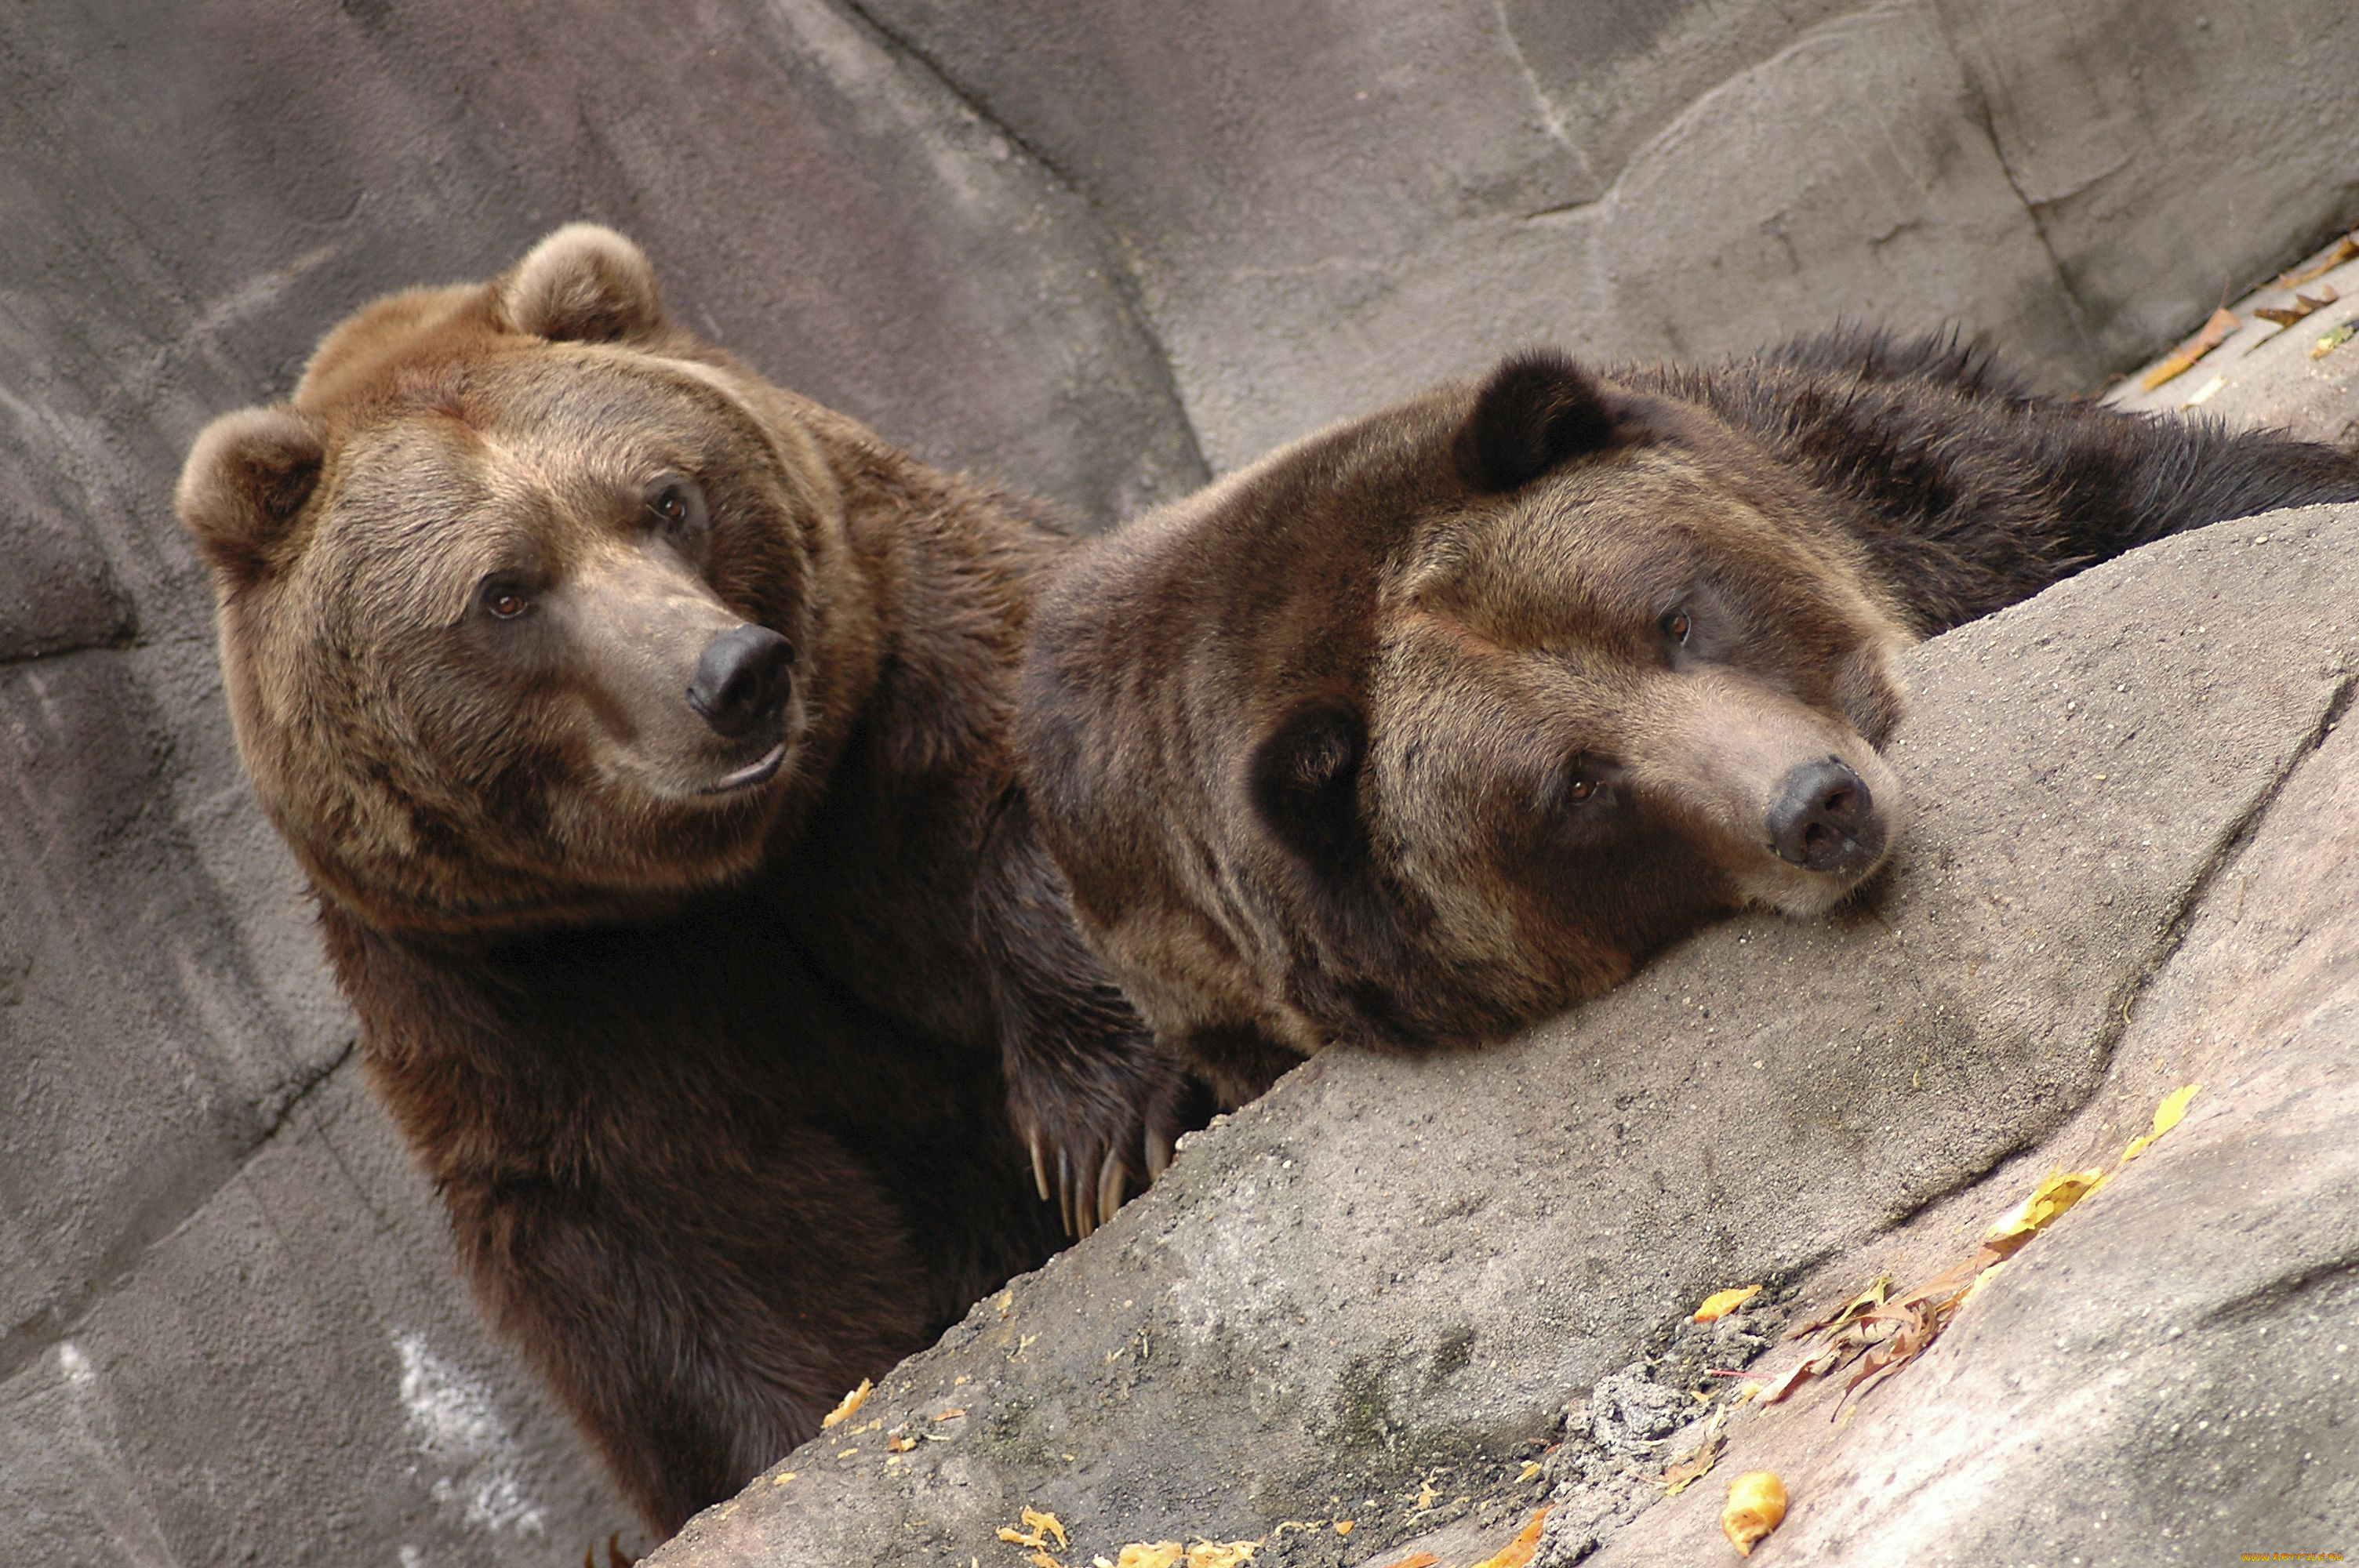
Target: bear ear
{"type": "Point", "coordinates": [1305, 780]}
{"type": "Point", "coordinates": [247, 475]}
{"type": "Point", "coordinates": [583, 284]}
{"type": "Point", "coordinates": [1536, 411]}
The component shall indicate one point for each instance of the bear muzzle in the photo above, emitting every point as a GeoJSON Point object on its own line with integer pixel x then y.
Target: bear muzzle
{"type": "Point", "coordinates": [744, 680]}
{"type": "Point", "coordinates": [1824, 819]}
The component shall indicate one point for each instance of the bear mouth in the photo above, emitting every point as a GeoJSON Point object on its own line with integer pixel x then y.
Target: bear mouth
{"type": "Point", "coordinates": [758, 771]}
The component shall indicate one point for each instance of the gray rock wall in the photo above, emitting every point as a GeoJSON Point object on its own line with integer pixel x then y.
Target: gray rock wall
{"type": "Point", "coordinates": [1097, 251]}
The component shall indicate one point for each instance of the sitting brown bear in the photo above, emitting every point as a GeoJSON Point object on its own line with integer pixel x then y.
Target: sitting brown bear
{"type": "Point", "coordinates": [642, 730]}
{"type": "Point", "coordinates": [1419, 729]}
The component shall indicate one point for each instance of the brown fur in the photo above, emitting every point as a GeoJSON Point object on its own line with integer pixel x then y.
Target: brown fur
{"type": "Point", "coordinates": [1418, 731]}
{"type": "Point", "coordinates": [707, 1032]}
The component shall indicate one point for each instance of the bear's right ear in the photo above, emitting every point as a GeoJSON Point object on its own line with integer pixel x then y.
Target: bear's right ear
{"type": "Point", "coordinates": [247, 475]}
{"type": "Point", "coordinates": [1536, 410]}
{"type": "Point", "coordinates": [583, 284]}
{"type": "Point", "coordinates": [1305, 782]}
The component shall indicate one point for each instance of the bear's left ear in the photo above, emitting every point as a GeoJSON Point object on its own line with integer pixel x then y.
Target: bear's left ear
{"type": "Point", "coordinates": [583, 284]}
{"type": "Point", "coordinates": [1536, 411]}
{"type": "Point", "coordinates": [1305, 782]}
{"type": "Point", "coordinates": [247, 477]}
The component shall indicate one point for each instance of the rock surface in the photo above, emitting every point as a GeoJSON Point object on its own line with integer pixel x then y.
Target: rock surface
{"type": "Point", "coordinates": [1371, 1293]}
{"type": "Point", "coordinates": [1099, 261]}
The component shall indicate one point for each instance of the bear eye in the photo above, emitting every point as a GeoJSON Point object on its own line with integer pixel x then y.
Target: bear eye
{"type": "Point", "coordinates": [1584, 779]}
{"type": "Point", "coordinates": [1676, 626]}
{"type": "Point", "coordinates": [505, 600]}
{"type": "Point", "coordinates": [675, 505]}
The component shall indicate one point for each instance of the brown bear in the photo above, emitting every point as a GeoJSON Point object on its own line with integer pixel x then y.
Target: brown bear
{"type": "Point", "coordinates": [1421, 729]}
{"type": "Point", "coordinates": [643, 730]}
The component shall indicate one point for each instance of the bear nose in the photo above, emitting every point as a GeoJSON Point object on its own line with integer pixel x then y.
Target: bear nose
{"type": "Point", "coordinates": [1825, 819]}
{"type": "Point", "coordinates": [741, 681]}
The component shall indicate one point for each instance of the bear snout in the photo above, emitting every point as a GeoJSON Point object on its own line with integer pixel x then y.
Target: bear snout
{"type": "Point", "coordinates": [1824, 819]}
{"type": "Point", "coordinates": [743, 680]}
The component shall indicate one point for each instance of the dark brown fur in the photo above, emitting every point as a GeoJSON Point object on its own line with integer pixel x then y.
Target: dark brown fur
{"type": "Point", "coordinates": [1423, 727]}
{"type": "Point", "coordinates": [712, 1065]}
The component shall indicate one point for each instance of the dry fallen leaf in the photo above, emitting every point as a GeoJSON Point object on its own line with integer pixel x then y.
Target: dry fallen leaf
{"type": "Point", "coordinates": [1037, 1527]}
{"type": "Point", "coordinates": [849, 1406]}
{"type": "Point", "coordinates": [2167, 1115]}
{"type": "Point", "coordinates": [1756, 1505]}
{"type": "Point", "coordinates": [2060, 1192]}
{"type": "Point", "coordinates": [900, 1442]}
{"type": "Point", "coordinates": [1159, 1554]}
{"type": "Point", "coordinates": [2335, 339]}
{"type": "Point", "coordinates": [1698, 1465]}
{"type": "Point", "coordinates": [1874, 1296]}
{"type": "Point", "coordinates": [1518, 1553]}
{"type": "Point", "coordinates": [2303, 303]}
{"type": "Point", "coordinates": [1218, 1554]}
{"type": "Point", "coordinates": [2347, 250]}
{"type": "Point", "coordinates": [1720, 1303]}
{"type": "Point", "coordinates": [1795, 1377]}
{"type": "Point", "coordinates": [951, 1414]}
{"type": "Point", "coordinates": [2214, 333]}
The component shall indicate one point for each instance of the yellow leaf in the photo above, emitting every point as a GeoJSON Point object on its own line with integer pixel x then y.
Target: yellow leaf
{"type": "Point", "coordinates": [1161, 1554]}
{"type": "Point", "coordinates": [1042, 1560]}
{"type": "Point", "coordinates": [2035, 1214]}
{"type": "Point", "coordinates": [1720, 1303]}
{"type": "Point", "coordinates": [2346, 250]}
{"type": "Point", "coordinates": [1221, 1555]}
{"type": "Point", "coordinates": [2167, 1115]}
{"type": "Point", "coordinates": [849, 1406]}
{"type": "Point", "coordinates": [1518, 1553]}
{"type": "Point", "coordinates": [1756, 1505]}
{"type": "Point", "coordinates": [1041, 1526]}
{"type": "Point", "coordinates": [2214, 333]}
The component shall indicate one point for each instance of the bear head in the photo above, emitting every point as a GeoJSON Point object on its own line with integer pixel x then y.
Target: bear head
{"type": "Point", "coordinates": [532, 607]}
{"type": "Point", "coordinates": [1418, 731]}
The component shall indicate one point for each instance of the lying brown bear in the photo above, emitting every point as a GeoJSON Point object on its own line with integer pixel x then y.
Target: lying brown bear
{"type": "Point", "coordinates": [640, 727]}
{"type": "Point", "coordinates": [1419, 729]}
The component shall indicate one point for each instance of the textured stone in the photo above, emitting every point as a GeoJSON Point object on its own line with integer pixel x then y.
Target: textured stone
{"type": "Point", "coordinates": [58, 591]}
{"type": "Point", "coordinates": [288, 1379]}
{"type": "Point", "coordinates": [1388, 1268]}
{"type": "Point", "coordinates": [1399, 192]}
{"type": "Point", "coordinates": [145, 1049]}
{"type": "Point", "coordinates": [2171, 1374]}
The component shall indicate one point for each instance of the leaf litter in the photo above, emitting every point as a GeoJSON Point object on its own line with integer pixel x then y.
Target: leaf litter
{"type": "Point", "coordinates": [2214, 333]}
{"type": "Point", "coordinates": [1880, 1336]}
